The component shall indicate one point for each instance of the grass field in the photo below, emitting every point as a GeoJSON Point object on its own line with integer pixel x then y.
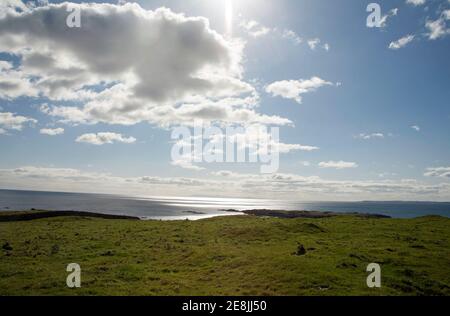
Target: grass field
{"type": "Point", "coordinates": [237, 255]}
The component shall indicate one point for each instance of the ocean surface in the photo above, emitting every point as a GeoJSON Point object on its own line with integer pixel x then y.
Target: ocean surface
{"type": "Point", "coordinates": [174, 208]}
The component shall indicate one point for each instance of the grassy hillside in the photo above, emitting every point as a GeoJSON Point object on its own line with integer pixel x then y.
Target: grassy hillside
{"type": "Point", "coordinates": [238, 255]}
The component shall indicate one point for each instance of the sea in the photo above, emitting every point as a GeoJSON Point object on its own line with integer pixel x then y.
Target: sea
{"type": "Point", "coordinates": [194, 208]}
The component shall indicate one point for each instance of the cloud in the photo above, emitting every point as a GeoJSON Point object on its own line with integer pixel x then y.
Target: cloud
{"type": "Point", "coordinates": [14, 83]}
{"type": "Point", "coordinates": [161, 32]}
{"type": "Point", "coordinates": [12, 6]}
{"type": "Point", "coordinates": [226, 174]}
{"type": "Point", "coordinates": [186, 162]}
{"type": "Point", "coordinates": [306, 148]}
{"type": "Point", "coordinates": [229, 184]}
{"type": "Point", "coordinates": [315, 42]}
{"type": "Point", "coordinates": [312, 43]}
{"type": "Point", "coordinates": [338, 164]}
{"type": "Point", "coordinates": [370, 136]}
{"type": "Point", "coordinates": [416, 2]}
{"type": "Point", "coordinates": [293, 89]}
{"type": "Point", "coordinates": [254, 28]}
{"type": "Point", "coordinates": [385, 18]}
{"type": "Point", "coordinates": [11, 121]}
{"type": "Point", "coordinates": [228, 111]}
{"type": "Point", "coordinates": [438, 28]}
{"type": "Point", "coordinates": [416, 128]}
{"type": "Point", "coordinates": [386, 174]}
{"type": "Point", "coordinates": [256, 138]}
{"type": "Point", "coordinates": [5, 65]}
{"type": "Point", "coordinates": [49, 173]}
{"type": "Point", "coordinates": [104, 138]}
{"type": "Point", "coordinates": [253, 140]}
{"type": "Point", "coordinates": [172, 70]}
{"type": "Point", "coordinates": [52, 131]}
{"type": "Point", "coordinates": [69, 179]}
{"type": "Point", "coordinates": [441, 172]}
{"type": "Point", "coordinates": [292, 36]}
{"type": "Point", "coordinates": [178, 182]}
{"type": "Point", "coordinates": [402, 42]}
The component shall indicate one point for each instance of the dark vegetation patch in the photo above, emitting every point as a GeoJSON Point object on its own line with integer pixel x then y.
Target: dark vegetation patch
{"type": "Point", "coordinates": [37, 214]}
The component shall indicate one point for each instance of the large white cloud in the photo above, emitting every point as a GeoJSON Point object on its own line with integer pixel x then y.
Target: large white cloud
{"type": "Point", "coordinates": [52, 131]}
{"type": "Point", "coordinates": [11, 121]}
{"type": "Point", "coordinates": [293, 89]}
{"type": "Point", "coordinates": [128, 111]}
{"type": "Point", "coordinates": [105, 138]}
{"type": "Point", "coordinates": [127, 65]}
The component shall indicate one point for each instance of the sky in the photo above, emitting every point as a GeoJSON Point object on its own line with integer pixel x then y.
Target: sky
{"type": "Point", "coordinates": [363, 112]}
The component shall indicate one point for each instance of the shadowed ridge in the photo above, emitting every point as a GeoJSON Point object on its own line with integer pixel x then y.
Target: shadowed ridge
{"type": "Point", "coordinates": [307, 214]}
{"type": "Point", "coordinates": [36, 214]}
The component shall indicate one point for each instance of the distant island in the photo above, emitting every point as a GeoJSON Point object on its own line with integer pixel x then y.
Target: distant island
{"type": "Point", "coordinates": [304, 214]}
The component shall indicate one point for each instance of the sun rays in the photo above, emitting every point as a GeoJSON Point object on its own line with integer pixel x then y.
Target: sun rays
{"type": "Point", "coordinates": [229, 18]}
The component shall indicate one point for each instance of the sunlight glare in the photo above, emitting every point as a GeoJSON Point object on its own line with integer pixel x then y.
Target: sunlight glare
{"type": "Point", "coordinates": [229, 18]}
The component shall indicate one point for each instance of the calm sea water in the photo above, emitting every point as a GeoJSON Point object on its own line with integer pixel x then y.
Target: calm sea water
{"type": "Point", "coordinates": [169, 208]}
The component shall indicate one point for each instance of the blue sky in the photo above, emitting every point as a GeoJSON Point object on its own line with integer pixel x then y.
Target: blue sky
{"type": "Point", "coordinates": [380, 117]}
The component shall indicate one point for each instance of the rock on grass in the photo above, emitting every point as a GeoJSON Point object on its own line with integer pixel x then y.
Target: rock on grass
{"type": "Point", "coordinates": [7, 246]}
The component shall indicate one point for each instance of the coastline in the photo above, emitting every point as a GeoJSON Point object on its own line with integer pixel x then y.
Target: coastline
{"type": "Point", "coordinates": [198, 208]}
{"type": "Point", "coordinates": [33, 214]}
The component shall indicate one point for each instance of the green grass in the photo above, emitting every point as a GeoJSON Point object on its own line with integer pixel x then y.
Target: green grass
{"type": "Point", "coordinates": [238, 255]}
